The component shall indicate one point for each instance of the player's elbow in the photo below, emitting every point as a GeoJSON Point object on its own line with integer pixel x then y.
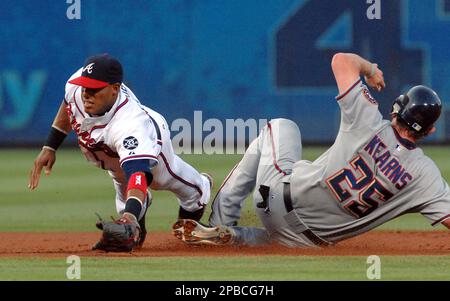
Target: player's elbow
{"type": "Point", "coordinates": [340, 60]}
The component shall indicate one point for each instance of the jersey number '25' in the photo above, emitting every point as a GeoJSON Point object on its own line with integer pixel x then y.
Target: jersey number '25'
{"type": "Point", "coordinates": [360, 178]}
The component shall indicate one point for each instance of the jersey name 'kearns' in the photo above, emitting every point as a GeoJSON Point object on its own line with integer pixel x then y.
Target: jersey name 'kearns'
{"type": "Point", "coordinates": [392, 169]}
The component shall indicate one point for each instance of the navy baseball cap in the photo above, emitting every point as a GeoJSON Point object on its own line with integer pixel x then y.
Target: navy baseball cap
{"type": "Point", "coordinates": [99, 71]}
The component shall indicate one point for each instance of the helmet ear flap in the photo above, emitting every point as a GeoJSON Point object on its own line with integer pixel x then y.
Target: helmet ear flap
{"type": "Point", "coordinates": [397, 105]}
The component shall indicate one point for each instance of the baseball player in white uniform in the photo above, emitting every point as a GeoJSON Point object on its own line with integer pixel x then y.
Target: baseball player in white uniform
{"type": "Point", "coordinates": [132, 142]}
{"type": "Point", "coordinates": [374, 172]}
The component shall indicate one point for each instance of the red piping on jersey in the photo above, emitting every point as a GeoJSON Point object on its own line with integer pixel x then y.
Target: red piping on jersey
{"type": "Point", "coordinates": [441, 220]}
{"type": "Point", "coordinates": [348, 90]}
{"type": "Point", "coordinates": [104, 125]}
{"type": "Point", "coordinates": [224, 182]}
{"type": "Point", "coordinates": [75, 101]}
{"type": "Point", "coordinates": [273, 151]}
{"type": "Point", "coordinates": [99, 147]}
{"type": "Point", "coordinates": [179, 178]}
{"type": "Point", "coordinates": [121, 105]}
{"type": "Point", "coordinates": [138, 156]}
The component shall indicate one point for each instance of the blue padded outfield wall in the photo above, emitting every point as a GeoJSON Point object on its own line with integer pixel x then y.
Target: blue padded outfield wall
{"type": "Point", "coordinates": [228, 58]}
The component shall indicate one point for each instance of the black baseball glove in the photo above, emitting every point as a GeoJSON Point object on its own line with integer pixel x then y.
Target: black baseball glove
{"type": "Point", "coordinates": [120, 235]}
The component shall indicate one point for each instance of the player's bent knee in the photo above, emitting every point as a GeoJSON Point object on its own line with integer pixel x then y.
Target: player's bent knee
{"type": "Point", "coordinates": [283, 122]}
{"type": "Point", "coordinates": [285, 125]}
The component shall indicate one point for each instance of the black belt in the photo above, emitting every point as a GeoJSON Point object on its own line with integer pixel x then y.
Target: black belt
{"type": "Point", "coordinates": [307, 233]}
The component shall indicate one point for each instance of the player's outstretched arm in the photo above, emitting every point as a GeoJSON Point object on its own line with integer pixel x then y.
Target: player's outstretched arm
{"type": "Point", "coordinates": [47, 156]}
{"type": "Point", "coordinates": [348, 67]}
{"type": "Point", "coordinates": [139, 178]}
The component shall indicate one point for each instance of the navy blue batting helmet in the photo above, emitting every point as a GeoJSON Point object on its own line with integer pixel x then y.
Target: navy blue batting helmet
{"type": "Point", "coordinates": [419, 108]}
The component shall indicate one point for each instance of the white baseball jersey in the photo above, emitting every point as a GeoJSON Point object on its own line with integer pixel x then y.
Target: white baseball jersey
{"type": "Point", "coordinates": [369, 176]}
{"type": "Point", "coordinates": [131, 131]}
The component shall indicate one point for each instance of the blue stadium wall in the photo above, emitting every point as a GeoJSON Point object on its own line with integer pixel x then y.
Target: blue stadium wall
{"type": "Point", "coordinates": [233, 59]}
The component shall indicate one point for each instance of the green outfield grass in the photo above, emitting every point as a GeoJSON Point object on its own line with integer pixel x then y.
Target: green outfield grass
{"type": "Point", "coordinates": [68, 199]}
{"type": "Point", "coordinates": [272, 268]}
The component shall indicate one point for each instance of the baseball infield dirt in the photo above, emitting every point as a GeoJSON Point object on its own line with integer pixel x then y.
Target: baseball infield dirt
{"type": "Point", "coordinates": [164, 244]}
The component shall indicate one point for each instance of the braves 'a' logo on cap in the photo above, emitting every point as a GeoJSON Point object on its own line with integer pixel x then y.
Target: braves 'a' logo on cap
{"type": "Point", "coordinates": [89, 68]}
{"type": "Point", "coordinates": [130, 143]}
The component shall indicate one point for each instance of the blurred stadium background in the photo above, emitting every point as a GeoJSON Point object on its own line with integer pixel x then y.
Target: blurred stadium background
{"type": "Point", "coordinates": [229, 59]}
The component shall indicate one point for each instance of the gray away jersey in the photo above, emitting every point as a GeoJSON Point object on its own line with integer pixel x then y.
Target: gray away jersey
{"type": "Point", "coordinates": [369, 176]}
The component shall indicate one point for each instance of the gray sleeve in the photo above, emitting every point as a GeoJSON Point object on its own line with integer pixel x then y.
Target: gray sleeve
{"type": "Point", "coordinates": [436, 197]}
{"type": "Point", "coordinates": [358, 108]}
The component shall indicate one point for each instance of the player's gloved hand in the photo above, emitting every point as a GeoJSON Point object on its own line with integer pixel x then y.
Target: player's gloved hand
{"type": "Point", "coordinates": [119, 235]}
{"type": "Point", "coordinates": [45, 159]}
{"type": "Point", "coordinates": [375, 79]}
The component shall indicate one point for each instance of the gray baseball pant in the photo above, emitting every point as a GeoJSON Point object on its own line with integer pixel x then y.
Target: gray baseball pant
{"type": "Point", "coordinates": [268, 163]}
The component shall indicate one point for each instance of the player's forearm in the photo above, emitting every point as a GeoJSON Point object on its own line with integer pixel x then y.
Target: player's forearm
{"type": "Point", "coordinates": [139, 178]}
{"type": "Point", "coordinates": [61, 121]}
{"type": "Point", "coordinates": [59, 130]}
{"type": "Point", "coordinates": [353, 63]}
{"type": "Point", "coordinates": [136, 193]}
{"type": "Point", "coordinates": [348, 67]}
{"type": "Point", "coordinates": [364, 67]}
